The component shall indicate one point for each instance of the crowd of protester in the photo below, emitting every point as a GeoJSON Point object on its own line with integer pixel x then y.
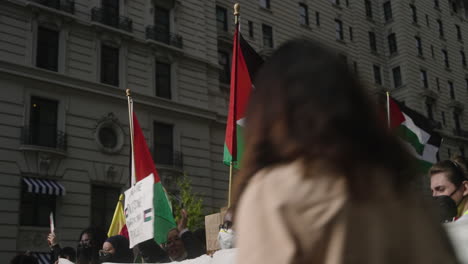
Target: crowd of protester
{"type": "Point", "coordinates": [323, 180]}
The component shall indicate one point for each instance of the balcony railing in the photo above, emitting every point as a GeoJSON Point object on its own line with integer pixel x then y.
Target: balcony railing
{"type": "Point", "coordinates": [62, 5]}
{"type": "Point", "coordinates": [174, 159]}
{"type": "Point", "coordinates": [164, 36]}
{"type": "Point", "coordinates": [44, 136]}
{"type": "Point", "coordinates": [112, 19]}
{"type": "Point", "coordinates": [460, 133]}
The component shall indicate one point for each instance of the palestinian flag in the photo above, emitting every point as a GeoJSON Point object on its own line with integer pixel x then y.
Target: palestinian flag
{"type": "Point", "coordinates": [245, 63]}
{"type": "Point", "coordinates": [118, 225]}
{"type": "Point", "coordinates": [416, 131]}
{"type": "Point", "coordinates": [144, 167]}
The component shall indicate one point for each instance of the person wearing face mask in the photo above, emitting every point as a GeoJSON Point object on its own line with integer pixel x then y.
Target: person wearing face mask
{"type": "Point", "coordinates": [116, 249]}
{"type": "Point", "coordinates": [449, 178]}
{"type": "Point", "coordinates": [226, 232]}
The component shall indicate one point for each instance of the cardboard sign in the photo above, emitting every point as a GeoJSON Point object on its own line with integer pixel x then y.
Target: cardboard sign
{"type": "Point", "coordinates": [212, 223]}
{"type": "Point", "coordinates": [139, 211]}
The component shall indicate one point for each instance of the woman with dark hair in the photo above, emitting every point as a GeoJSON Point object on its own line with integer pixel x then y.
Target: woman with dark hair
{"type": "Point", "coordinates": [323, 180]}
{"type": "Point", "coordinates": [450, 178]}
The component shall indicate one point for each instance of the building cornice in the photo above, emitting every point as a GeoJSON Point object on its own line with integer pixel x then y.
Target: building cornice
{"type": "Point", "coordinates": [95, 88]}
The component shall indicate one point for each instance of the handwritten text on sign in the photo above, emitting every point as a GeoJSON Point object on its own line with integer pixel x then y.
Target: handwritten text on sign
{"type": "Point", "coordinates": [139, 211]}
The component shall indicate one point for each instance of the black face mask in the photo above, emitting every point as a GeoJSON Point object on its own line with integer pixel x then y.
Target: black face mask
{"type": "Point", "coordinates": [84, 251]}
{"type": "Point", "coordinates": [105, 257]}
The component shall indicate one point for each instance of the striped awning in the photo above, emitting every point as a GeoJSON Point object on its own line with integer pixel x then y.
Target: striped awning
{"type": "Point", "coordinates": [44, 186]}
{"type": "Point", "coordinates": [42, 257]}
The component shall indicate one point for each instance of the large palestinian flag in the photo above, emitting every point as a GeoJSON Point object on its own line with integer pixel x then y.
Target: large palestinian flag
{"type": "Point", "coordinates": [245, 63]}
{"type": "Point", "coordinates": [144, 167]}
{"type": "Point", "coordinates": [416, 131]}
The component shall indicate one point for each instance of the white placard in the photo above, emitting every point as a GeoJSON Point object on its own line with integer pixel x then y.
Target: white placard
{"type": "Point", "coordinates": [139, 211]}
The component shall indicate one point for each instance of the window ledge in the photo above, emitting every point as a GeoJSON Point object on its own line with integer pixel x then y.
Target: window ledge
{"type": "Point", "coordinates": [36, 6]}
{"type": "Point", "coordinates": [448, 69]}
{"type": "Point", "coordinates": [389, 21]}
{"type": "Point", "coordinates": [375, 53]}
{"type": "Point", "coordinates": [337, 6]}
{"type": "Point", "coordinates": [341, 41]}
{"type": "Point", "coordinates": [306, 26]}
{"type": "Point", "coordinates": [416, 24]}
{"type": "Point", "coordinates": [442, 38]}
{"type": "Point", "coordinates": [370, 19]}
{"type": "Point", "coordinates": [264, 9]}
{"type": "Point", "coordinates": [49, 150]}
{"type": "Point", "coordinates": [421, 57]}
{"type": "Point", "coordinates": [393, 55]}
{"type": "Point", "coordinates": [121, 32]}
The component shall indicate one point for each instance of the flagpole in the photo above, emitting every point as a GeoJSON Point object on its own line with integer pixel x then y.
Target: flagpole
{"type": "Point", "coordinates": [132, 181]}
{"type": "Point", "coordinates": [234, 155]}
{"type": "Point", "coordinates": [388, 109]}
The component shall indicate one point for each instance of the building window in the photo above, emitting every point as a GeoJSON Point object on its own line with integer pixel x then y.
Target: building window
{"type": "Point", "coordinates": [303, 14]}
{"type": "Point", "coordinates": [451, 89]}
{"type": "Point", "coordinates": [443, 118]}
{"type": "Point", "coordinates": [221, 18]}
{"type": "Point", "coordinates": [440, 26]}
{"type": "Point", "coordinates": [427, 20]}
{"type": "Point", "coordinates": [372, 42]}
{"type": "Point", "coordinates": [462, 151]}
{"type": "Point", "coordinates": [459, 34]}
{"type": "Point", "coordinates": [432, 52]}
{"type": "Point", "coordinates": [392, 44]}
{"type": "Point", "coordinates": [35, 207]}
{"type": "Point", "coordinates": [47, 49]}
{"type": "Point", "coordinates": [267, 36]}
{"type": "Point", "coordinates": [438, 83]}
{"type": "Point", "coordinates": [163, 80]}
{"type": "Point", "coordinates": [339, 29]}
{"type": "Point", "coordinates": [251, 29]}
{"type": "Point", "coordinates": [445, 58]}
{"type": "Point", "coordinates": [419, 46]}
{"type": "Point", "coordinates": [223, 60]}
{"type": "Point", "coordinates": [377, 75]}
{"type": "Point", "coordinates": [162, 24]}
{"type": "Point", "coordinates": [351, 35]}
{"type": "Point", "coordinates": [265, 4]}
{"type": "Point", "coordinates": [368, 6]}
{"type": "Point", "coordinates": [43, 122]}
{"type": "Point", "coordinates": [103, 204]}
{"type": "Point", "coordinates": [414, 13]}
{"type": "Point", "coordinates": [110, 65]}
{"type": "Point", "coordinates": [317, 18]}
{"type": "Point", "coordinates": [163, 150]}
{"type": "Point", "coordinates": [454, 6]}
{"type": "Point", "coordinates": [456, 119]}
{"type": "Point", "coordinates": [463, 58]}
{"type": "Point", "coordinates": [424, 81]}
{"type": "Point", "coordinates": [397, 82]}
{"type": "Point", "coordinates": [430, 113]}
{"type": "Point", "coordinates": [436, 3]}
{"type": "Point", "coordinates": [388, 14]}
{"type": "Point", "coordinates": [355, 67]}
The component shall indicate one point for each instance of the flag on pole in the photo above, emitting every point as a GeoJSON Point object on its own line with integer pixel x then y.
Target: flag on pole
{"type": "Point", "coordinates": [416, 131]}
{"type": "Point", "coordinates": [245, 63]}
{"type": "Point", "coordinates": [144, 167]}
{"type": "Point", "coordinates": [118, 225]}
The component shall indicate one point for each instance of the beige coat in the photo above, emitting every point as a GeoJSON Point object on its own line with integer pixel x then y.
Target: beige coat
{"type": "Point", "coordinates": [285, 218]}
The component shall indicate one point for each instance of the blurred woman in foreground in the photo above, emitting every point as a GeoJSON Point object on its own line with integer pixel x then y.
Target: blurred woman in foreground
{"type": "Point", "coordinates": [322, 179]}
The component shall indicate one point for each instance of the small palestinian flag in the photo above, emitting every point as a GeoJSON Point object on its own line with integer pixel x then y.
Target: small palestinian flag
{"type": "Point", "coordinates": [417, 132]}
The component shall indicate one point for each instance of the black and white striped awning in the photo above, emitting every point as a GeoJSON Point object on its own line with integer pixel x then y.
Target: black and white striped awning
{"type": "Point", "coordinates": [44, 186]}
{"type": "Point", "coordinates": [43, 258]}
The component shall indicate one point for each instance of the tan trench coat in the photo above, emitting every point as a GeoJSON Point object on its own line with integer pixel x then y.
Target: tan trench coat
{"type": "Point", "coordinates": [284, 217]}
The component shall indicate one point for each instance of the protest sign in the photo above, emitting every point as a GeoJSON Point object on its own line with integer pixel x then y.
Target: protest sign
{"type": "Point", "coordinates": [139, 211]}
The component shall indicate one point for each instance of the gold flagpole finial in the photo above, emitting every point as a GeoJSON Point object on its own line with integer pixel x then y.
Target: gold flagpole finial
{"type": "Point", "coordinates": [236, 12]}
{"type": "Point", "coordinates": [128, 92]}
